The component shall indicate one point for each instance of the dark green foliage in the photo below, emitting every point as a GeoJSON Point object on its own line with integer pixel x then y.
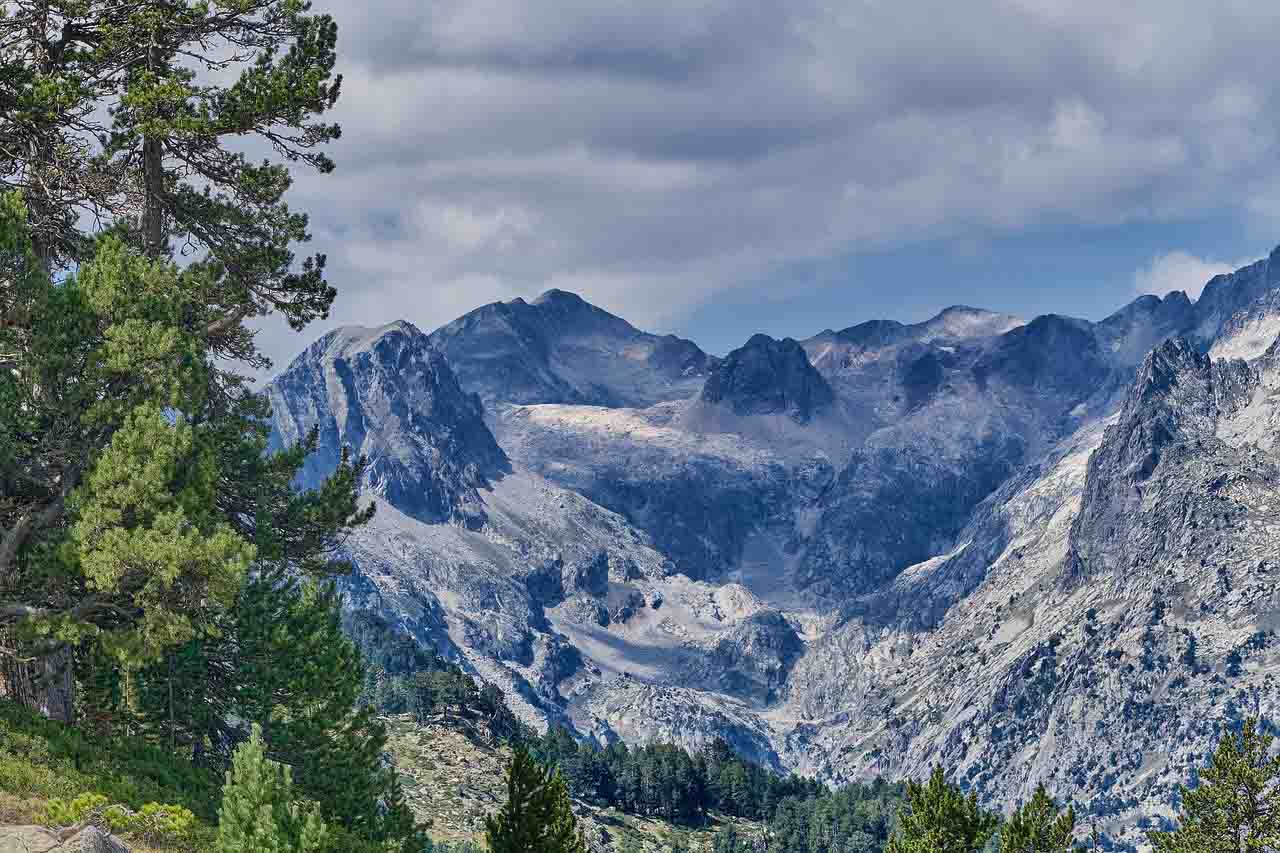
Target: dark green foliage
{"type": "Point", "coordinates": [1038, 826]}
{"type": "Point", "coordinates": [854, 819]}
{"type": "Point", "coordinates": [299, 677]}
{"type": "Point", "coordinates": [537, 816]}
{"type": "Point", "coordinates": [939, 818]}
{"type": "Point", "coordinates": [403, 678]}
{"type": "Point", "coordinates": [129, 112]}
{"type": "Point", "coordinates": [284, 663]}
{"type": "Point", "coordinates": [664, 781]}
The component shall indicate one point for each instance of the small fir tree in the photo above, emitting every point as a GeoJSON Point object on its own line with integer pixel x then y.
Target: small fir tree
{"type": "Point", "coordinates": [259, 809]}
{"type": "Point", "coordinates": [939, 818]}
{"type": "Point", "coordinates": [538, 816]}
{"type": "Point", "coordinates": [1038, 826]}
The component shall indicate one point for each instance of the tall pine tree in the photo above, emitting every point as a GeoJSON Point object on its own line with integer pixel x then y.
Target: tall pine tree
{"type": "Point", "coordinates": [123, 115]}
{"type": "Point", "coordinates": [110, 527]}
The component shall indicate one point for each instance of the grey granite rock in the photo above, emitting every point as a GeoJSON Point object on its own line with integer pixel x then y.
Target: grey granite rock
{"type": "Point", "coordinates": [389, 395]}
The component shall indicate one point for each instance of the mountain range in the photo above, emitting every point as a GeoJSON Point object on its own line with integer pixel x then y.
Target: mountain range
{"type": "Point", "coordinates": [1031, 552]}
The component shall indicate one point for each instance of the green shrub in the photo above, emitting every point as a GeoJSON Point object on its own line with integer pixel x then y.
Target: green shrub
{"type": "Point", "coordinates": [59, 813]}
{"type": "Point", "coordinates": [164, 825]}
{"type": "Point", "coordinates": [159, 824]}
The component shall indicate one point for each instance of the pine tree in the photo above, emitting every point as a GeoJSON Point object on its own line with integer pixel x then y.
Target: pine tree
{"type": "Point", "coordinates": [538, 816]}
{"type": "Point", "coordinates": [283, 663]}
{"type": "Point", "coordinates": [299, 677]}
{"type": "Point", "coordinates": [143, 81]}
{"type": "Point", "coordinates": [1236, 806]}
{"type": "Point", "coordinates": [109, 526]}
{"type": "Point", "coordinates": [52, 85]}
{"type": "Point", "coordinates": [101, 113]}
{"type": "Point", "coordinates": [260, 810]}
{"type": "Point", "coordinates": [938, 818]}
{"type": "Point", "coordinates": [1038, 826]}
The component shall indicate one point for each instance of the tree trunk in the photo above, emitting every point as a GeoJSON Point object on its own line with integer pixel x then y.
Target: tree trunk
{"type": "Point", "coordinates": [45, 684]}
{"type": "Point", "coordinates": [153, 211]}
{"type": "Point", "coordinates": [153, 230]}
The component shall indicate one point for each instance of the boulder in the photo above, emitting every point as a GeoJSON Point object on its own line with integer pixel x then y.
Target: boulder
{"type": "Point", "coordinates": [38, 839]}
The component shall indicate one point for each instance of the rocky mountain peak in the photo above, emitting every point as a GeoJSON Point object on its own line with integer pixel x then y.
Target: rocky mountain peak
{"type": "Point", "coordinates": [1053, 356]}
{"type": "Point", "coordinates": [963, 321]}
{"type": "Point", "coordinates": [769, 376]}
{"type": "Point", "coordinates": [387, 394]}
{"type": "Point", "coordinates": [1176, 402]}
{"type": "Point", "coordinates": [957, 322]}
{"type": "Point", "coordinates": [1227, 294]}
{"type": "Point", "coordinates": [1130, 333]}
{"type": "Point", "coordinates": [559, 348]}
{"type": "Point", "coordinates": [563, 300]}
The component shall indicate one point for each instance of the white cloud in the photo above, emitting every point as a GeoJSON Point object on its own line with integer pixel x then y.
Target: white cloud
{"type": "Point", "coordinates": [1179, 270]}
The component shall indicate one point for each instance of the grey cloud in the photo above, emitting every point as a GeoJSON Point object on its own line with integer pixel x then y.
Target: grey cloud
{"type": "Point", "coordinates": [654, 154]}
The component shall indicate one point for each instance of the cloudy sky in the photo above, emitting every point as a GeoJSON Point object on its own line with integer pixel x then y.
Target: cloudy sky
{"type": "Point", "coordinates": [720, 167]}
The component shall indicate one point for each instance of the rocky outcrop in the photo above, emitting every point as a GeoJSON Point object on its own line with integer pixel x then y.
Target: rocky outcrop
{"type": "Point", "coordinates": [1171, 414]}
{"type": "Point", "coordinates": [1227, 295]}
{"type": "Point", "coordinates": [38, 839]}
{"type": "Point", "coordinates": [766, 377]}
{"type": "Point", "coordinates": [754, 657]}
{"type": "Point", "coordinates": [388, 395]}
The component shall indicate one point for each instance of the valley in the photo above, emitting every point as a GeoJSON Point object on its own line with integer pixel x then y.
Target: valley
{"type": "Point", "coordinates": [974, 541]}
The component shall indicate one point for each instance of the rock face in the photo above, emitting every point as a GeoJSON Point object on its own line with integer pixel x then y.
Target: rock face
{"type": "Point", "coordinates": [1033, 552]}
{"type": "Point", "coordinates": [466, 552]}
{"type": "Point", "coordinates": [388, 395]}
{"type": "Point", "coordinates": [767, 377]}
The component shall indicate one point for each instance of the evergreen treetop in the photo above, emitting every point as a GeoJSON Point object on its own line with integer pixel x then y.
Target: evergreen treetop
{"type": "Point", "coordinates": [537, 816]}
{"type": "Point", "coordinates": [938, 818]}
{"type": "Point", "coordinates": [260, 810]}
{"type": "Point", "coordinates": [1038, 826]}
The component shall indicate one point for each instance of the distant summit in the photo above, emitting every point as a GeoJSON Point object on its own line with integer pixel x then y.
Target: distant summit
{"type": "Point", "coordinates": [559, 348]}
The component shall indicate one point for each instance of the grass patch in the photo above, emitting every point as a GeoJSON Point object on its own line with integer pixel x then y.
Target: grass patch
{"type": "Point", "coordinates": [41, 760]}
